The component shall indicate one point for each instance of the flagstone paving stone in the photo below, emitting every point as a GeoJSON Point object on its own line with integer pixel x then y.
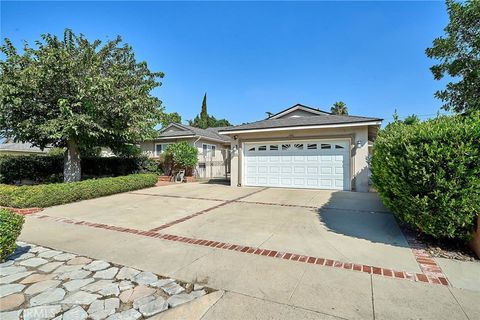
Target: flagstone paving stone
{"type": "Point", "coordinates": [79, 260]}
{"type": "Point", "coordinates": [41, 283]}
{"type": "Point", "coordinates": [14, 277]}
{"type": "Point", "coordinates": [11, 302]}
{"type": "Point", "coordinates": [8, 289]}
{"type": "Point", "coordinates": [42, 286]}
{"type": "Point", "coordinates": [37, 277]}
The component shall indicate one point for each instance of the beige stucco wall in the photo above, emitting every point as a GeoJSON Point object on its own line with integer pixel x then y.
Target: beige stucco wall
{"type": "Point", "coordinates": [214, 166]}
{"type": "Point", "coordinates": [359, 166]}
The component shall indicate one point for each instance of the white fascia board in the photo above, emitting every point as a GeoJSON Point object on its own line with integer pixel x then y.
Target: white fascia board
{"type": "Point", "coordinates": [323, 126]}
{"type": "Point", "coordinates": [22, 151]}
{"type": "Point", "coordinates": [175, 137]}
{"type": "Point", "coordinates": [292, 109]}
{"type": "Point", "coordinates": [193, 136]}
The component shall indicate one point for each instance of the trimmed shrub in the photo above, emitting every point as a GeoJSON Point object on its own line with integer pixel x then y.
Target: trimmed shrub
{"type": "Point", "coordinates": [428, 174]}
{"type": "Point", "coordinates": [10, 228]}
{"type": "Point", "coordinates": [181, 155]}
{"type": "Point", "coordinates": [59, 193]}
{"type": "Point", "coordinates": [49, 168]}
{"type": "Point", "coordinates": [32, 167]}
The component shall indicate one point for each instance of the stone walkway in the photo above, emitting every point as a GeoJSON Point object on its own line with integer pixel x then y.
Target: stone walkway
{"type": "Point", "coordinates": [41, 283]}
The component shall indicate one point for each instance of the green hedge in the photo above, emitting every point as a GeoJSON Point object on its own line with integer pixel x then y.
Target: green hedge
{"type": "Point", "coordinates": [428, 174]}
{"type": "Point", "coordinates": [59, 193]}
{"type": "Point", "coordinates": [10, 228]}
{"type": "Point", "coordinates": [49, 168]}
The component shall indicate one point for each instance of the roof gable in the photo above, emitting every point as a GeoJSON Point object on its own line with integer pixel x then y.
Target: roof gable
{"type": "Point", "coordinates": [175, 127]}
{"type": "Point", "coordinates": [298, 110]}
{"type": "Point", "coordinates": [177, 130]}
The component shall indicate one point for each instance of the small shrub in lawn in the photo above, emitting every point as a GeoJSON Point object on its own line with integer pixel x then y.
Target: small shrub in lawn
{"type": "Point", "coordinates": [10, 228]}
{"type": "Point", "coordinates": [428, 174]}
{"type": "Point", "coordinates": [59, 193]}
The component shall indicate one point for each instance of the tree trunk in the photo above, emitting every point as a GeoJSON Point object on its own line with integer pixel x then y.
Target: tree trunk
{"type": "Point", "coordinates": [71, 163]}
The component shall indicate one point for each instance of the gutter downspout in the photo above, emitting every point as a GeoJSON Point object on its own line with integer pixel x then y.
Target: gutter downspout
{"type": "Point", "coordinates": [195, 145]}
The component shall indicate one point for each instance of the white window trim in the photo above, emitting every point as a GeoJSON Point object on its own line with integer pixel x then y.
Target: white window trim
{"type": "Point", "coordinates": [164, 146]}
{"type": "Point", "coordinates": [209, 149]}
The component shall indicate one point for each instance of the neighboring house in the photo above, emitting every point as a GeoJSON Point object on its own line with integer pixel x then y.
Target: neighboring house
{"type": "Point", "coordinates": [213, 148]}
{"type": "Point", "coordinates": [18, 148]}
{"type": "Point", "coordinates": [303, 147]}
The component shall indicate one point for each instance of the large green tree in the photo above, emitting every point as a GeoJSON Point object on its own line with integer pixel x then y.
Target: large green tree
{"type": "Point", "coordinates": [168, 118]}
{"type": "Point", "coordinates": [204, 114]}
{"type": "Point", "coordinates": [339, 108]}
{"type": "Point", "coordinates": [458, 53]}
{"type": "Point", "coordinates": [75, 94]}
{"type": "Point", "coordinates": [204, 120]}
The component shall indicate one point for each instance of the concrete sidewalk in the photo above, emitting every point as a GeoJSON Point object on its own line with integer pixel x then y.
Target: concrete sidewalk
{"type": "Point", "coordinates": [260, 287]}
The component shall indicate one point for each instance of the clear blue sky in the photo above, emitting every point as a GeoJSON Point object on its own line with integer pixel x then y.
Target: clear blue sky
{"type": "Point", "coordinates": [253, 57]}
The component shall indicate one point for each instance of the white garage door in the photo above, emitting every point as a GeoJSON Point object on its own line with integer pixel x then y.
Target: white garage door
{"type": "Point", "coordinates": [298, 164]}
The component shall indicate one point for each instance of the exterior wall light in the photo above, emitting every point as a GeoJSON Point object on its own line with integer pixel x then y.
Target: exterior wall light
{"type": "Point", "coordinates": [359, 143]}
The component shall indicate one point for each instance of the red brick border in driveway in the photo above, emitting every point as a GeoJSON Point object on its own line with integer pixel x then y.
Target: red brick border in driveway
{"type": "Point", "coordinates": [23, 211]}
{"type": "Point", "coordinates": [205, 210]}
{"type": "Point", "coordinates": [434, 278]}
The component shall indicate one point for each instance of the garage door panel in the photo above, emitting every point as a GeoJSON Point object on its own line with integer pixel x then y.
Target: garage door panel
{"type": "Point", "coordinates": [286, 169]}
{"type": "Point", "coordinates": [298, 169]}
{"type": "Point", "coordinates": [322, 164]}
{"type": "Point", "coordinates": [262, 169]}
{"type": "Point", "coordinates": [326, 170]}
{"type": "Point", "coordinates": [251, 169]}
{"type": "Point", "coordinates": [274, 181]}
{"type": "Point", "coordinates": [312, 170]}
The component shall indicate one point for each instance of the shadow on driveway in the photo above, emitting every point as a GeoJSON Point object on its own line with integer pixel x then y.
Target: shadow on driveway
{"type": "Point", "coordinates": [379, 227]}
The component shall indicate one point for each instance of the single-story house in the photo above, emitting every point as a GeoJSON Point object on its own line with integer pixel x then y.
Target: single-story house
{"type": "Point", "coordinates": [213, 148]}
{"type": "Point", "coordinates": [10, 147]}
{"type": "Point", "coordinates": [303, 147]}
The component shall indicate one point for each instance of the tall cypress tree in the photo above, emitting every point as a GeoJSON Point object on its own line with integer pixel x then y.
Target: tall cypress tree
{"type": "Point", "coordinates": [204, 114]}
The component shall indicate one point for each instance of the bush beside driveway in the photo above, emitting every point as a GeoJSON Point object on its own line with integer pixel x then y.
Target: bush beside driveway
{"type": "Point", "coordinates": [428, 174]}
{"type": "Point", "coordinates": [48, 195]}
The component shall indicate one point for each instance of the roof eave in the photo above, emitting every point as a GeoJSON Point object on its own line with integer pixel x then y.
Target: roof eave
{"type": "Point", "coordinates": [304, 127]}
{"type": "Point", "coordinates": [192, 136]}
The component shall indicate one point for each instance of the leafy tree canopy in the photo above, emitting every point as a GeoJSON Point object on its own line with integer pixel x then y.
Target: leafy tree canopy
{"type": "Point", "coordinates": [168, 118]}
{"type": "Point", "coordinates": [204, 120]}
{"type": "Point", "coordinates": [411, 119]}
{"type": "Point", "coordinates": [458, 53]}
{"type": "Point", "coordinates": [76, 94]}
{"type": "Point", "coordinates": [339, 108]}
{"type": "Point", "coordinates": [212, 122]}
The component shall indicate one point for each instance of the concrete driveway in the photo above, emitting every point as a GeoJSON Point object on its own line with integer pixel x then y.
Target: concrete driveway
{"type": "Point", "coordinates": [304, 253]}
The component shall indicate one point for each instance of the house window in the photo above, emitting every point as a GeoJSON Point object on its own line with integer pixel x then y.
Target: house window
{"type": "Point", "coordinates": [273, 147]}
{"type": "Point", "coordinates": [337, 146]}
{"type": "Point", "coordinates": [251, 149]}
{"type": "Point", "coordinates": [286, 146]}
{"type": "Point", "coordinates": [299, 146]}
{"type": "Point", "coordinates": [326, 146]}
{"type": "Point", "coordinates": [312, 146]}
{"type": "Point", "coordinates": [209, 148]}
{"type": "Point", "coordinates": [262, 148]}
{"type": "Point", "coordinates": [160, 148]}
